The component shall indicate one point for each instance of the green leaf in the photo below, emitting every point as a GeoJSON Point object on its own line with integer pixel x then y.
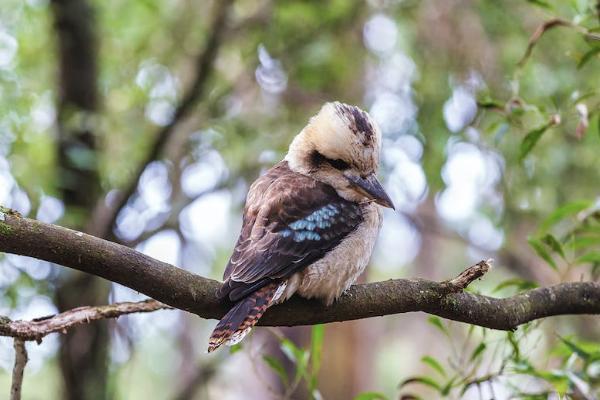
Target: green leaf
{"type": "Point", "coordinates": [423, 380]}
{"type": "Point", "coordinates": [562, 212]}
{"type": "Point", "coordinates": [298, 355]}
{"type": "Point", "coordinates": [557, 379]}
{"type": "Point", "coordinates": [515, 346]}
{"type": "Point", "coordinates": [579, 242]}
{"type": "Point", "coordinates": [592, 257]}
{"type": "Point", "coordinates": [575, 348]}
{"type": "Point", "coordinates": [550, 376]}
{"type": "Point", "coordinates": [448, 387]}
{"type": "Point", "coordinates": [541, 251]}
{"type": "Point", "coordinates": [588, 56]}
{"type": "Point", "coordinates": [540, 3]}
{"type": "Point", "coordinates": [277, 367]}
{"type": "Point", "coordinates": [235, 348]}
{"type": "Point", "coordinates": [291, 351]}
{"type": "Point", "coordinates": [531, 139]}
{"type": "Point", "coordinates": [433, 363]}
{"type": "Point", "coordinates": [371, 396]}
{"type": "Point", "coordinates": [478, 351]}
{"type": "Point", "coordinates": [520, 284]}
{"type": "Point", "coordinates": [437, 322]}
{"type": "Point", "coordinates": [524, 367]}
{"type": "Point", "coordinates": [488, 102]}
{"type": "Point", "coordinates": [316, 350]}
{"type": "Point", "coordinates": [554, 244]}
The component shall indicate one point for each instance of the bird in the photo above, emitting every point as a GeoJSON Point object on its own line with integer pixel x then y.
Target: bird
{"type": "Point", "coordinates": [310, 222]}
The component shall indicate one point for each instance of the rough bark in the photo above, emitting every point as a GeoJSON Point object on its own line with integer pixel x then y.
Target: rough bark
{"type": "Point", "coordinates": [184, 290]}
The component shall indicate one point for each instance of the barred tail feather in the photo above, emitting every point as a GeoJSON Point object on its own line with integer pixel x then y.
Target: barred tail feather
{"type": "Point", "coordinates": [238, 322]}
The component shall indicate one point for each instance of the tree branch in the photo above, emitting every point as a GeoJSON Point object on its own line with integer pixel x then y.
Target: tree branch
{"type": "Point", "coordinates": [184, 290]}
{"type": "Point", "coordinates": [37, 328]}
{"type": "Point", "coordinates": [18, 370]}
{"type": "Point", "coordinates": [104, 216]}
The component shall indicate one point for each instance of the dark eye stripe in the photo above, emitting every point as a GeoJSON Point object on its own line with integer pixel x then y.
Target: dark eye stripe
{"type": "Point", "coordinates": [318, 159]}
{"type": "Point", "coordinates": [338, 164]}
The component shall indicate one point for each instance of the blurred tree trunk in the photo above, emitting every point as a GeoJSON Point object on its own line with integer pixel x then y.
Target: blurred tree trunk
{"type": "Point", "coordinates": [83, 351]}
{"type": "Point", "coordinates": [347, 360]}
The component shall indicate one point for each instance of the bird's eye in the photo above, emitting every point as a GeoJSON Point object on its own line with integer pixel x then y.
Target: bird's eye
{"type": "Point", "coordinates": [318, 159]}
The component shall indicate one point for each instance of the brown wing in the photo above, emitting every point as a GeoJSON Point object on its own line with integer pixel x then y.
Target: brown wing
{"type": "Point", "coordinates": [290, 221]}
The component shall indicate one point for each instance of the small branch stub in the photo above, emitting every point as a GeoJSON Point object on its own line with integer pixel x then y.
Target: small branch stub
{"type": "Point", "coordinates": [469, 275]}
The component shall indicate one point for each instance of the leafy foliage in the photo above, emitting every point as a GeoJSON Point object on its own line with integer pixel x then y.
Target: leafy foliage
{"type": "Point", "coordinates": [307, 363]}
{"type": "Point", "coordinates": [576, 374]}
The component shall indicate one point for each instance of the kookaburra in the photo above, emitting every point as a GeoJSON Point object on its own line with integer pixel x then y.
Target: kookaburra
{"type": "Point", "coordinates": [310, 223]}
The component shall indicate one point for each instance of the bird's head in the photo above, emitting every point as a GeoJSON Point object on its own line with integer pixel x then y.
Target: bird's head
{"type": "Point", "coordinates": [340, 146]}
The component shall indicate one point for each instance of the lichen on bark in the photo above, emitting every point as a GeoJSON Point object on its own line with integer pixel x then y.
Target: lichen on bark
{"type": "Point", "coordinates": [5, 229]}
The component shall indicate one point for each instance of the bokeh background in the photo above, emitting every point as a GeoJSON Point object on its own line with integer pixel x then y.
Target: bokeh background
{"type": "Point", "coordinates": [87, 87]}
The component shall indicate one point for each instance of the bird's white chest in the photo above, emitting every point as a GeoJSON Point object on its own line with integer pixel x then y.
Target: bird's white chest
{"type": "Point", "coordinates": [329, 277]}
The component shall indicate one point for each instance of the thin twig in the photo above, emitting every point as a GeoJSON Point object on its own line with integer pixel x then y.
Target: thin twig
{"type": "Point", "coordinates": [37, 328]}
{"type": "Point", "coordinates": [548, 25]}
{"type": "Point", "coordinates": [18, 369]}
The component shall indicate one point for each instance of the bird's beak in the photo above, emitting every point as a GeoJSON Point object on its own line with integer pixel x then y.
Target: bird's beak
{"type": "Point", "coordinates": [371, 188]}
